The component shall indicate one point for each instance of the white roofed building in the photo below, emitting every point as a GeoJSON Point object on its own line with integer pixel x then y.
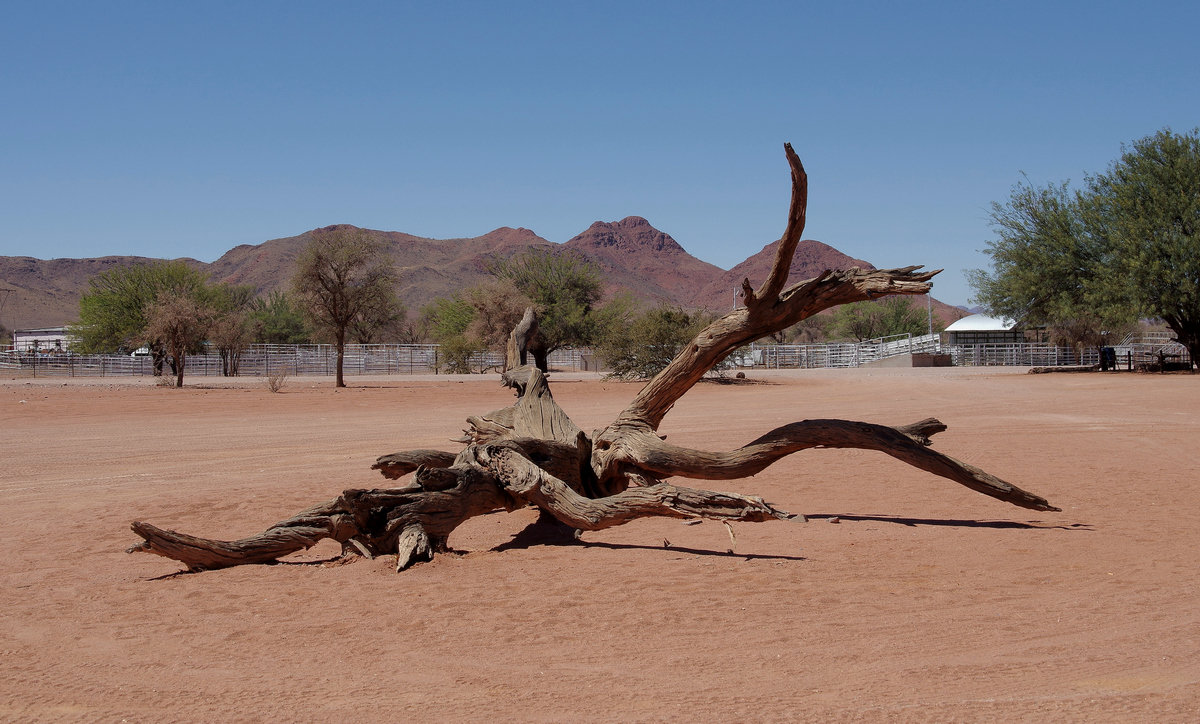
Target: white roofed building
{"type": "Point", "coordinates": [982, 329]}
{"type": "Point", "coordinates": [46, 340]}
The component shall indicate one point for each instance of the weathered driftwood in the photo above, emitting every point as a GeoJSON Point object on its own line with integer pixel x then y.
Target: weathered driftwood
{"type": "Point", "coordinates": [533, 454]}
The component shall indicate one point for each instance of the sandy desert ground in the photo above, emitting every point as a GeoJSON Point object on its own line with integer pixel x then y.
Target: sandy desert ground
{"type": "Point", "coordinates": [904, 598]}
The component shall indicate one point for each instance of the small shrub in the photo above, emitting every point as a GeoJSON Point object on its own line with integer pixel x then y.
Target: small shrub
{"type": "Point", "coordinates": [455, 354]}
{"type": "Point", "coordinates": [275, 381]}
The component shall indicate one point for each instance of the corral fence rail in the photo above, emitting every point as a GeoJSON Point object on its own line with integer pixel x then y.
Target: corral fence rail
{"type": "Point", "coordinates": [264, 360]}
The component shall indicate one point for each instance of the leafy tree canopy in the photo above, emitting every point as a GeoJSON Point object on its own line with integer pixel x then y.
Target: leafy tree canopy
{"type": "Point", "coordinates": [446, 320]}
{"type": "Point", "coordinates": [881, 318]}
{"type": "Point", "coordinates": [1147, 207]}
{"type": "Point", "coordinates": [180, 321]}
{"type": "Point", "coordinates": [497, 307]}
{"type": "Point", "coordinates": [275, 319]}
{"type": "Point", "coordinates": [1049, 267]}
{"type": "Point", "coordinates": [650, 341]}
{"type": "Point", "coordinates": [114, 311]}
{"type": "Point", "coordinates": [1092, 261]}
{"type": "Point", "coordinates": [564, 287]}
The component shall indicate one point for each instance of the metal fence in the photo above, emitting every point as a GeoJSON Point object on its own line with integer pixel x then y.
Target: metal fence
{"type": "Point", "coordinates": [1019, 355]}
{"type": "Point", "coordinates": [838, 354]}
{"type": "Point", "coordinates": [401, 359]}
{"type": "Point", "coordinates": [1134, 355]}
{"type": "Point", "coordinates": [264, 360]}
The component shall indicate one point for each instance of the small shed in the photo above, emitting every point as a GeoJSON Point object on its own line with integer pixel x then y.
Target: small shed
{"type": "Point", "coordinates": [46, 339]}
{"type": "Point", "coordinates": [982, 329]}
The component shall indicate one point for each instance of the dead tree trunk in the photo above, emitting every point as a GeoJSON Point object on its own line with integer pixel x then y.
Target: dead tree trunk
{"type": "Point", "coordinates": [533, 454]}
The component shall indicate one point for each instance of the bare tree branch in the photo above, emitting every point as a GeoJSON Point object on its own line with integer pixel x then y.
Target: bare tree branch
{"type": "Point", "coordinates": [650, 453]}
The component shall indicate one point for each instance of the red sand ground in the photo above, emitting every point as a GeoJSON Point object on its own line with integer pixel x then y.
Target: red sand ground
{"type": "Point", "coordinates": [926, 602]}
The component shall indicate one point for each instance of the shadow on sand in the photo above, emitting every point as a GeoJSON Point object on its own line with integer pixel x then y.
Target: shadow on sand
{"type": "Point", "coordinates": [952, 522]}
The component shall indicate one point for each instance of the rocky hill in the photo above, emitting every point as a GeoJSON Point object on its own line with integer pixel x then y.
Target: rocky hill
{"type": "Point", "coordinates": [636, 257]}
{"type": "Point", "coordinates": [632, 255]}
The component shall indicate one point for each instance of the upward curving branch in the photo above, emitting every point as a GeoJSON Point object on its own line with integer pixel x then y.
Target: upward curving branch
{"type": "Point", "coordinates": [797, 212]}
{"type": "Point", "coordinates": [768, 310]}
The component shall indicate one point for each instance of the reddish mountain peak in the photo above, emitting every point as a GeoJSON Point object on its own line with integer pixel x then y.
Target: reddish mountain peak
{"type": "Point", "coordinates": [633, 234]}
{"type": "Point", "coordinates": [632, 222]}
{"type": "Point", "coordinates": [517, 235]}
{"type": "Point", "coordinates": [811, 258]}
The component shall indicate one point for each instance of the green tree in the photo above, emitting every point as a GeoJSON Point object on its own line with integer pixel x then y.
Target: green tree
{"type": "Point", "coordinates": [275, 319]}
{"type": "Point", "coordinates": [1147, 207]}
{"type": "Point", "coordinates": [342, 276]}
{"type": "Point", "coordinates": [1089, 263]}
{"type": "Point", "coordinates": [1048, 267]}
{"type": "Point", "coordinates": [114, 311]}
{"type": "Point", "coordinates": [564, 288]}
{"type": "Point", "coordinates": [879, 318]}
{"type": "Point", "coordinates": [650, 341]}
{"type": "Point", "coordinates": [446, 321]}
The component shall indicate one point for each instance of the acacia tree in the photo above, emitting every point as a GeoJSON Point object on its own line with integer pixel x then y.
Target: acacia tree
{"type": "Point", "coordinates": [881, 318]}
{"type": "Point", "coordinates": [275, 319]}
{"type": "Point", "coordinates": [564, 289]}
{"type": "Point", "coordinates": [1147, 208]}
{"type": "Point", "coordinates": [230, 331]}
{"type": "Point", "coordinates": [344, 276]}
{"type": "Point", "coordinates": [114, 311]}
{"type": "Point", "coordinates": [533, 454]}
{"type": "Point", "coordinates": [180, 321]}
{"type": "Point", "coordinates": [1048, 268]}
{"type": "Point", "coordinates": [498, 306]}
{"type": "Point", "coordinates": [1088, 263]}
{"type": "Point", "coordinates": [474, 319]}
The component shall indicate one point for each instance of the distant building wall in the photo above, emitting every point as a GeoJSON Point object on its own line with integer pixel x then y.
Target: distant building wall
{"type": "Point", "coordinates": [47, 339]}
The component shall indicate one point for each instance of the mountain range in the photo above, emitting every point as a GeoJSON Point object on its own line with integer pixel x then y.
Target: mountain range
{"type": "Point", "coordinates": [632, 255]}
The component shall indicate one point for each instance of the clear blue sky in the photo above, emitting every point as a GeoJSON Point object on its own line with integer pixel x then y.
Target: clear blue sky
{"type": "Point", "coordinates": [183, 129]}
